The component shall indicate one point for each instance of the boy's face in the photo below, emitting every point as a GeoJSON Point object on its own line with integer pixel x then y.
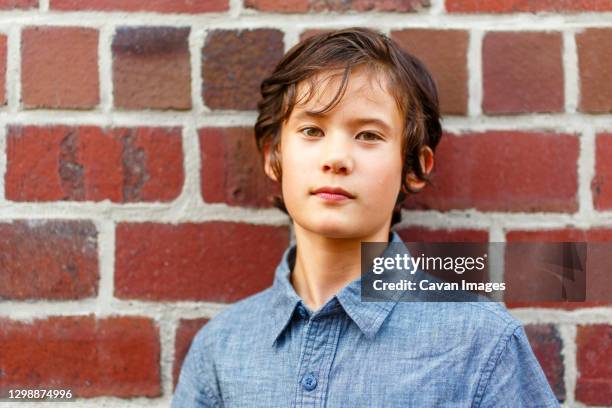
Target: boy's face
{"type": "Point", "coordinates": [343, 150]}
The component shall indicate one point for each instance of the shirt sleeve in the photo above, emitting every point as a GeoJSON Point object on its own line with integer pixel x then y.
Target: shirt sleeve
{"type": "Point", "coordinates": [517, 379]}
{"type": "Point", "coordinates": [197, 381]}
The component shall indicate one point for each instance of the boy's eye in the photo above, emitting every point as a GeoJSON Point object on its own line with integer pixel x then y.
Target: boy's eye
{"type": "Point", "coordinates": [369, 136]}
{"type": "Point", "coordinates": [311, 131]}
{"type": "Point", "coordinates": [315, 132]}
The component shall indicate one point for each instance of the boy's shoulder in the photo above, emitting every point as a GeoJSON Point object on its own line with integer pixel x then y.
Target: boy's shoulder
{"type": "Point", "coordinates": [492, 311]}
{"type": "Point", "coordinates": [470, 334]}
{"type": "Point", "coordinates": [248, 308]}
{"type": "Point", "coordinates": [494, 314]}
{"type": "Point", "coordinates": [246, 314]}
{"type": "Point", "coordinates": [480, 321]}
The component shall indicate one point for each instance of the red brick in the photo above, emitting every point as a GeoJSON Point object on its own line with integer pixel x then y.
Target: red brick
{"type": "Point", "coordinates": [59, 67]}
{"type": "Point", "coordinates": [546, 344]}
{"type": "Point", "coordinates": [522, 72]}
{"type": "Point", "coordinates": [447, 61]}
{"type": "Point", "coordinates": [594, 61]}
{"type": "Point", "coordinates": [601, 185]}
{"type": "Point", "coordinates": [594, 363]}
{"type": "Point", "coordinates": [232, 169]}
{"type": "Point", "coordinates": [86, 163]}
{"type": "Point", "coordinates": [424, 234]}
{"type": "Point", "coordinates": [48, 259]}
{"type": "Point", "coordinates": [212, 261]}
{"type": "Point", "coordinates": [3, 57]}
{"type": "Point", "coordinates": [187, 329]}
{"type": "Point", "coordinates": [516, 6]}
{"type": "Point", "coordinates": [309, 33]}
{"type": "Point", "coordinates": [152, 68]}
{"type": "Point", "coordinates": [234, 63]}
{"type": "Point", "coordinates": [158, 6]}
{"type": "Point", "coordinates": [503, 171]}
{"type": "Point", "coordinates": [444, 52]}
{"type": "Point", "coordinates": [521, 284]}
{"type": "Point", "coordinates": [301, 6]}
{"type": "Point", "coordinates": [18, 4]}
{"type": "Point", "coordinates": [279, 6]}
{"type": "Point", "coordinates": [114, 356]}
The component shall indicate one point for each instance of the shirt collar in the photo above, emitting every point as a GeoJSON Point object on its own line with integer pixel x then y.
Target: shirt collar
{"type": "Point", "coordinates": [368, 316]}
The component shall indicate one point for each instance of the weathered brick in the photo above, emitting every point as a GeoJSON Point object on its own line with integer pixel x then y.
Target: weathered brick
{"type": "Point", "coordinates": [18, 4]}
{"type": "Point", "coordinates": [114, 356]}
{"type": "Point", "coordinates": [151, 68]}
{"type": "Point", "coordinates": [522, 72]}
{"type": "Point", "coordinates": [3, 57]}
{"type": "Point", "coordinates": [59, 67]}
{"type": "Point", "coordinates": [86, 163]}
{"type": "Point", "coordinates": [279, 6]}
{"type": "Point", "coordinates": [301, 6]}
{"type": "Point", "coordinates": [158, 6]}
{"type": "Point", "coordinates": [546, 344]}
{"type": "Point", "coordinates": [444, 52]}
{"type": "Point", "coordinates": [424, 234]}
{"type": "Point", "coordinates": [524, 290]}
{"type": "Point", "coordinates": [594, 62]}
{"type": "Point", "coordinates": [517, 6]}
{"type": "Point", "coordinates": [601, 185]}
{"type": "Point", "coordinates": [594, 363]}
{"type": "Point", "coordinates": [48, 259]}
{"type": "Point", "coordinates": [232, 169]}
{"type": "Point", "coordinates": [212, 261]}
{"type": "Point", "coordinates": [503, 171]}
{"type": "Point", "coordinates": [185, 332]}
{"type": "Point", "coordinates": [310, 32]}
{"type": "Point", "coordinates": [234, 63]}
{"type": "Point", "coordinates": [447, 61]}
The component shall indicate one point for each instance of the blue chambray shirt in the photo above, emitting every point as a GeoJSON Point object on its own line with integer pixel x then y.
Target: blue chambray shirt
{"type": "Point", "coordinates": [270, 350]}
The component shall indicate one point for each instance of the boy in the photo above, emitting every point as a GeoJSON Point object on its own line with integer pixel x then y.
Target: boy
{"type": "Point", "coordinates": [347, 125]}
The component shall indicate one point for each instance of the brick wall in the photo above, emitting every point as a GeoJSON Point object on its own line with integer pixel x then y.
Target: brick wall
{"type": "Point", "coordinates": [132, 207]}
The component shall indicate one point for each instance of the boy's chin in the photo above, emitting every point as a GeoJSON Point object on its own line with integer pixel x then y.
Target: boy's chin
{"type": "Point", "coordinates": [336, 229]}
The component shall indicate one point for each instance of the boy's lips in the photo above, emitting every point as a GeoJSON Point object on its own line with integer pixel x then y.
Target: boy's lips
{"type": "Point", "coordinates": [333, 193]}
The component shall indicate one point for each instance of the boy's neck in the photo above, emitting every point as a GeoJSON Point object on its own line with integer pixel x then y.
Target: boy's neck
{"type": "Point", "coordinates": [323, 266]}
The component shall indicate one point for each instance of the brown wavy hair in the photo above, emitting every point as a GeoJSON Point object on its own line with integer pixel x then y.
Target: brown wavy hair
{"type": "Point", "coordinates": [408, 80]}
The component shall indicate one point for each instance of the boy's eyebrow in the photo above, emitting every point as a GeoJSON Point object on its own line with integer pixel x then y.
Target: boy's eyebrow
{"type": "Point", "coordinates": [358, 121]}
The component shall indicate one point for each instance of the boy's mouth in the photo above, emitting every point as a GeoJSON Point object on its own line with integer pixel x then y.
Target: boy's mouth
{"type": "Point", "coordinates": [333, 193]}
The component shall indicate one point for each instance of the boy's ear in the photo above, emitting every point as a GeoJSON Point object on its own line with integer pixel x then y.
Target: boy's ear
{"type": "Point", "coordinates": [426, 160]}
{"type": "Point", "coordinates": [268, 163]}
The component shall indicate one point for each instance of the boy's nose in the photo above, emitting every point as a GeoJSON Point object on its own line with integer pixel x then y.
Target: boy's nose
{"type": "Point", "coordinates": [336, 166]}
{"type": "Point", "coordinates": [336, 156]}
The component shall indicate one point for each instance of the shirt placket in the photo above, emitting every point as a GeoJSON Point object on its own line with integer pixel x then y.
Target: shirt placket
{"type": "Point", "coordinates": [319, 346]}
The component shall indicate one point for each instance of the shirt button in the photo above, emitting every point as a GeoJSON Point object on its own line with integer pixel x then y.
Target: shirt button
{"type": "Point", "coordinates": [309, 382]}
